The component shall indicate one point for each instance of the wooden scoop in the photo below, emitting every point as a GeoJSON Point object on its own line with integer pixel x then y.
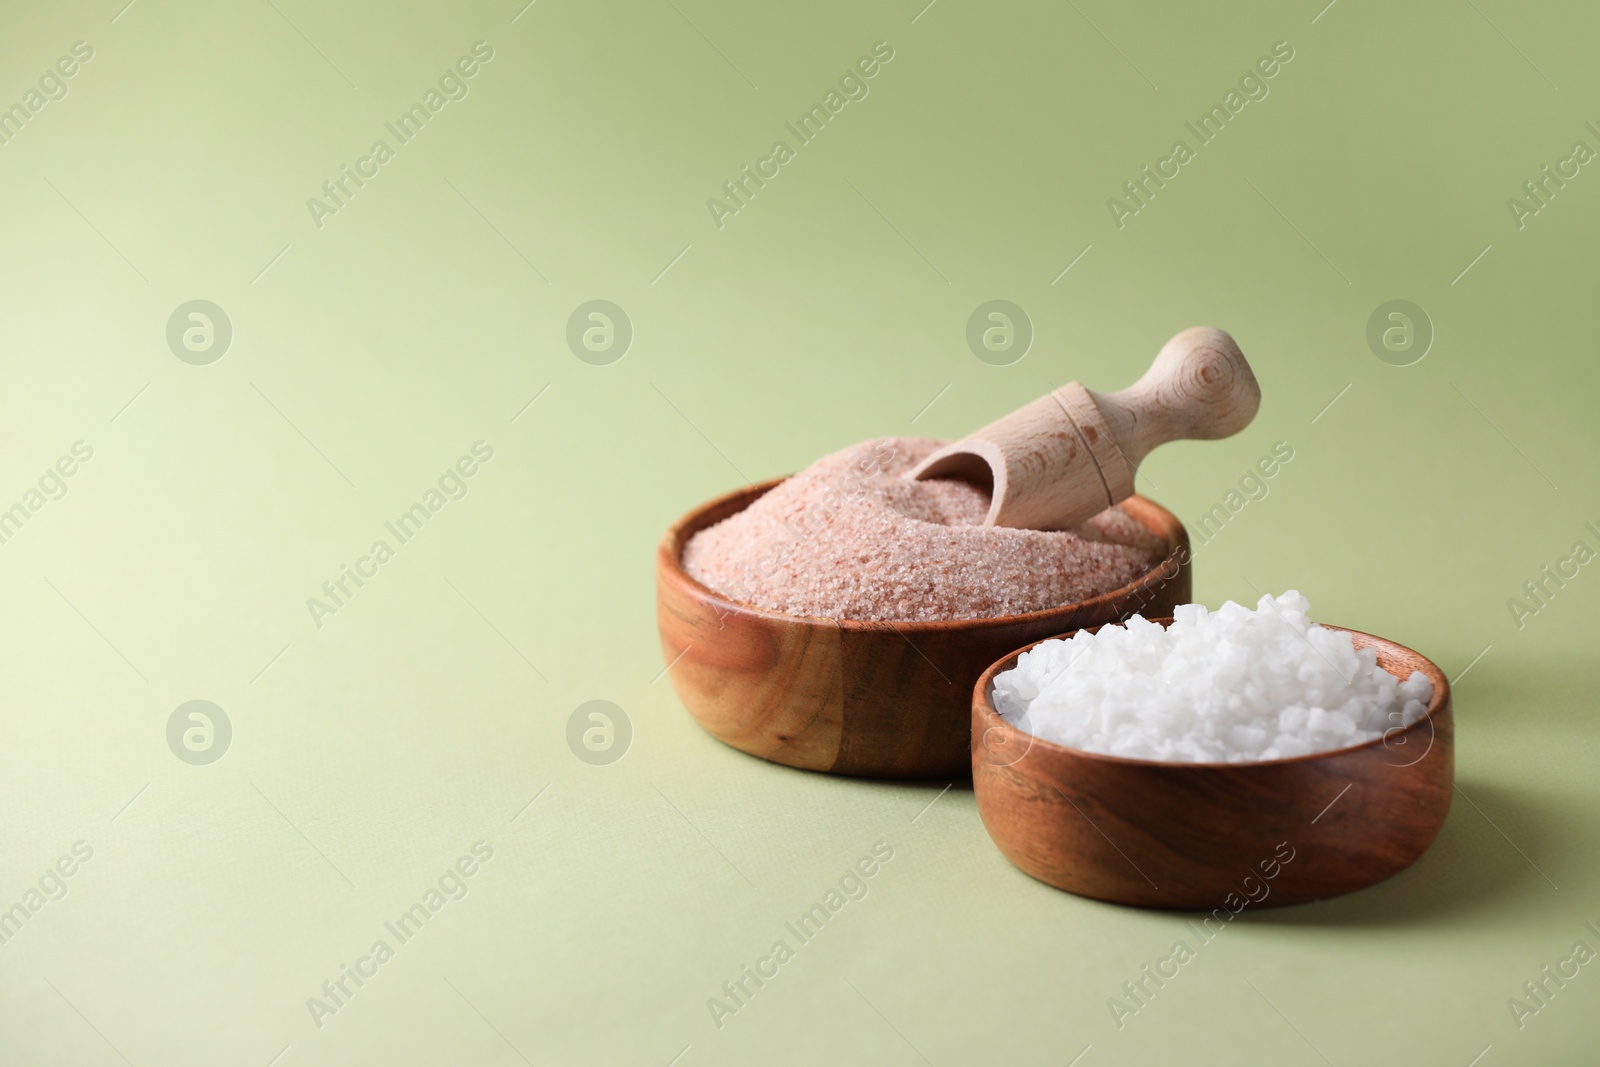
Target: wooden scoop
{"type": "Point", "coordinates": [1071, 454]}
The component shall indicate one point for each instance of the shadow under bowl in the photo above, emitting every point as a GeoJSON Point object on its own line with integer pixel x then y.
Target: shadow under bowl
{"type": "Point", "coordinates": [854, 697]}
{"type": "Point", "coordinates": [1215, 836]}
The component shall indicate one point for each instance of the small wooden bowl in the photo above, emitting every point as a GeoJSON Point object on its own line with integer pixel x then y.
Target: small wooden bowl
{"type": "Point", "coordinates": [851, 697]}
{"type": "Point", "coordinates": [1215, 835]}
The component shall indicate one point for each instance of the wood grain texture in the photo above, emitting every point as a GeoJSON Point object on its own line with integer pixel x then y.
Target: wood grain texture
{"type": "Point", "coordinates": [852, 697]}
{"type": "Point", "coordinates": [1199, 388]}
{"type": "Point", "coordinates": [1188, 835]}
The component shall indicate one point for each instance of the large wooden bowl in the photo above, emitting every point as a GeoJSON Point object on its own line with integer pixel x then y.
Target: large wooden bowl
{"type": "Point", "coordinates": [1214, 836]}
{"type": "Point", "coordinates": [851, 697]}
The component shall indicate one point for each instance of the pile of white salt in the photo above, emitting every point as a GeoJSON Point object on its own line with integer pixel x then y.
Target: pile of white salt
{"type": "Point", "coordinates": [851, 538]}
{"type": "Point", "coordinates": [1228, 686]}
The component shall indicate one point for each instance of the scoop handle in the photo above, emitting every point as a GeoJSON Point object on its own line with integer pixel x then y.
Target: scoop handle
{"type": "Point", "coordinates": [1199, 388]}
{"type": "Point", "coordinates": [1058, 461]}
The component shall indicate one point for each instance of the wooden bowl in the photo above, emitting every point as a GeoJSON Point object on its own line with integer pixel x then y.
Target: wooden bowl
{"type": "Point", "coordinates": [1215, 836]}
{"type": "Point", "coordinates": [852, 697]}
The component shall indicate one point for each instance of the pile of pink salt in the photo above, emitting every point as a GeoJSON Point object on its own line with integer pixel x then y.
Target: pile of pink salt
{"type": "Point", "coordinates": [850, 538]}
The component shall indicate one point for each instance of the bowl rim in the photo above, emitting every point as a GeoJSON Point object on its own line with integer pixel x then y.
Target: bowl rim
{"type": "Point", "coordinates": [670, 556]}
{"type": "Point", "coordinates": [983, 699]}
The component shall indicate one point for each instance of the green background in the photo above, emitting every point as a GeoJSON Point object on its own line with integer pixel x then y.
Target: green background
{"type": "Point", "coordinates": [369, 353]}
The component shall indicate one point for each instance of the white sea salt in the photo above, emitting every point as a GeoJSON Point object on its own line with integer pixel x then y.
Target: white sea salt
{"type": "Point", "coordinates": [1229, 686]}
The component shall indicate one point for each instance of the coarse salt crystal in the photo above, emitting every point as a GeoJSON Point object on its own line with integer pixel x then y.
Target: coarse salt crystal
{"type": "Point", "coordinates": [1232, 686]}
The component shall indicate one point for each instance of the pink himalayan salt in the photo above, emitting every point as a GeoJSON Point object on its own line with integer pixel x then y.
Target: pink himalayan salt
{"type": "Point", "coordinates": [849, 538]}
